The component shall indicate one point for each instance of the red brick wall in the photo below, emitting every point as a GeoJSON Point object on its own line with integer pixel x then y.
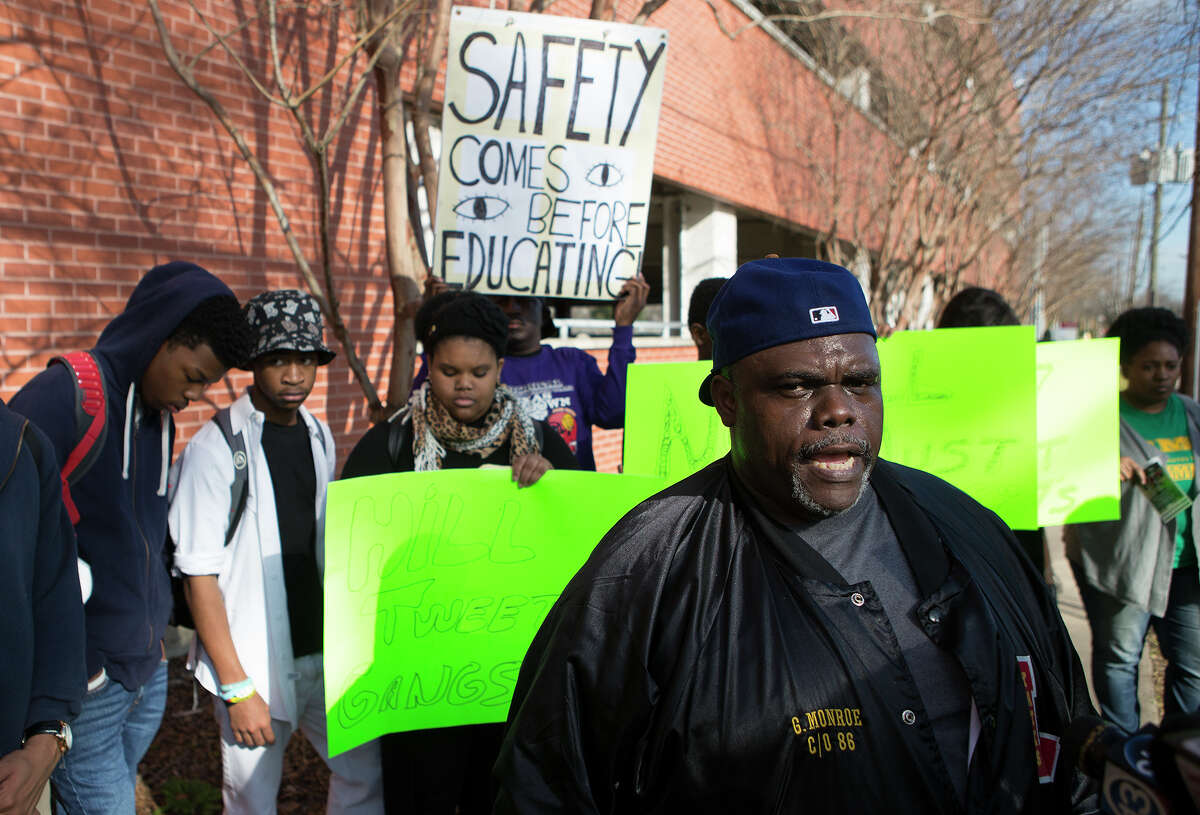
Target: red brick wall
{"type": "Point", "coordinates": [744, 121]}
{"type": "Point", "coordinates": [110, 165]}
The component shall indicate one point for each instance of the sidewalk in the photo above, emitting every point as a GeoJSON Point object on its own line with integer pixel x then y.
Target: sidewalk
{"type": "Point", "coordinates": [1071, 609]}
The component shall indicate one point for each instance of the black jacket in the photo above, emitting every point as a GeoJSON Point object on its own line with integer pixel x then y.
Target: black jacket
{"type": "Point", "coordinates": [41, 611]}
{"type": "Point", "coordinates": [692, 666]}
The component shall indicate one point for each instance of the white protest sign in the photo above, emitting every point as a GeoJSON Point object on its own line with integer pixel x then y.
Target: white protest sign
{"type": "Point", "coordinates": [549, 127]}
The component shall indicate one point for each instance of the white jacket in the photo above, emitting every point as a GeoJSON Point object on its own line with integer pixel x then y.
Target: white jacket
{"type": "Point", "coordinates": [250, 570]}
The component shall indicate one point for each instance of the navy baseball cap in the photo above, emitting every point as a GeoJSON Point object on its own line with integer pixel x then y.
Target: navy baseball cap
{"type": "Point", "coordinates": [775, 301]}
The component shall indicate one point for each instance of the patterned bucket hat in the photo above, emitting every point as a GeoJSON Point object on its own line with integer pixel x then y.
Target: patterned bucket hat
{"type": "Point", "coordinates": [287, 320]}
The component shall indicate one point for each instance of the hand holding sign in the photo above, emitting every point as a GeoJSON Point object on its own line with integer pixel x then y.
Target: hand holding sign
{"type": "Point", "coordinates": [631, 300]}
{"type": "Point", "coordinates": [527, 469]}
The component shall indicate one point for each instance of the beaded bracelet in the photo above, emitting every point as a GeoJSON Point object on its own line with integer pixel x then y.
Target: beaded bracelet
{"type": "Point", "coordinates": [237, 691]}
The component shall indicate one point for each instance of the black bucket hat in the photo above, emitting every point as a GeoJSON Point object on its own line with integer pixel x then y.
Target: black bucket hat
{"type": "Point", "coordinates": [287, 320]}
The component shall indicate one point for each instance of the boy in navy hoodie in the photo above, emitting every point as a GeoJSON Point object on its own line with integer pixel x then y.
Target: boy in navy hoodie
{"type": "Point", "coordinates": [41, 615]}
{"type": "Point", "coordinates": [180, 330]}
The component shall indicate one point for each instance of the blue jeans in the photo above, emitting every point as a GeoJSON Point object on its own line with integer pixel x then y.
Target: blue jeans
{"type": "Point", "coordinates": [1118, 634]}
{"type": "Point", "coordinates": [112, 733]}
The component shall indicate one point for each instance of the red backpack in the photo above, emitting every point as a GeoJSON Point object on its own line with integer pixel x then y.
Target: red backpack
{"type": "Point", "coordinates": [91, 421]}
{"type": "Point", "coordinates": [91, 425]}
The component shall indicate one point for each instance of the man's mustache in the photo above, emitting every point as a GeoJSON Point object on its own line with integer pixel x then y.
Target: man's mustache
{"type": "Point", "coordinates": [862, 447]}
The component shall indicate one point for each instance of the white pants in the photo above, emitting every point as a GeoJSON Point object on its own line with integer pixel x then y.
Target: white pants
{"type": "Point", "coordinates": [251, 775]}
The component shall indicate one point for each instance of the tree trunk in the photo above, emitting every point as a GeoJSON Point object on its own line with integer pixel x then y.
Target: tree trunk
{"type": "Point", "coordinates": [604, 10]}
{"type": "Point", "coordinates": [401, 273]}
{"type": "Point", "coordinates": [430, 61]}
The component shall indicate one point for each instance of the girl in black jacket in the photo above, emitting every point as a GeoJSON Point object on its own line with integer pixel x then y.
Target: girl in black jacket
{"type": "Point", "coordinates": [461, 417]}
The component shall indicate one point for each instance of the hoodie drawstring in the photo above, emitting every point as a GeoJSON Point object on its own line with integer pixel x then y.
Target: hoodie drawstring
{"type": "Point", "coordinates": [128, 431]}
{"type": "Point", "coordinates": [165, 420]}
{"type": "Point", "coordinates": [165, 441]}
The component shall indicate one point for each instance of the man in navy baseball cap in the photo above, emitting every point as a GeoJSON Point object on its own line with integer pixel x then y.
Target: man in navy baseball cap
{"type": "Point", "coordinates": [800, 626]}
{"type": "Point", "coordinates": [808, 322]}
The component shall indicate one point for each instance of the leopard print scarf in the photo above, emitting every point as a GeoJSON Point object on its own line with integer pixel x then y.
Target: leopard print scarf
{"type": "Point", "coordinates": [434, 429]}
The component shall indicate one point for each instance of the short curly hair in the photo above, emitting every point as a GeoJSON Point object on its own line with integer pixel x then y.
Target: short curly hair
{"type": "Point", "coordinates": [1139, 327]}
{"type": "Point", "coordinates": [428, 311]}
{"type": "Point", "coordinates": [976, 306]}
{"type": "Point", "coordinates": [702, 297]}
{"type": "Point", "coordinates": [219, 323]}
{"type": "Point", "coordinates": [457, 313]}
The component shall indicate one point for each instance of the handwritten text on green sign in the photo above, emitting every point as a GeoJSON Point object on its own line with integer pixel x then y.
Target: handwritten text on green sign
{"type": "Point", "coordinates": [435, 584]}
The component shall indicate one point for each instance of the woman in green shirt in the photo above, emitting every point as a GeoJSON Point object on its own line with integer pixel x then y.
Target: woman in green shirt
{"type": "Point", "coordinates": [1141, 570]}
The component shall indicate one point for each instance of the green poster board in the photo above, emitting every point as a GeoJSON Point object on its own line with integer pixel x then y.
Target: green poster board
{"type": "Point", "coordinates": [988, 409]}
{"type": "Point", "coordinates": [1078, 427]}
{"type": "Point", "coordinates": [435, 584]}
{"type": "Point", "coordinates": [960, 403]}
{"type": "Point", "coordinates": [669, 432]}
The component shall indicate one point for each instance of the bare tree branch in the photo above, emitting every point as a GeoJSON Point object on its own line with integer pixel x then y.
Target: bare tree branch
{"type": "Point", "coordinates": [431, 56]}
{"type": "Point", "coordinates": [603, 10]}
{"type": "Point", "coordinates": [351, 100]}
{"type": "Point", "coordinates": [834, 14]}
{"type": "Point", "coordinates": [402, 9]}
{"type": "Point", "coordinates": [273, 46]}
{"type": "Point", "coordinates": [268, 188]}
{"type": "Point", "coordinates": [218, 39]}
{"type": "Point", "coordinates": [222, 41]}
{"type": "Point", "coordinates": [648, 8]}
{"type": "Point", "coordinates": [992, 114]}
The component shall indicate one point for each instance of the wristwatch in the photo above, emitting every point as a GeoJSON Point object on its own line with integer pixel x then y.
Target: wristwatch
{"type": "Point", "coordinates": [60, 731]}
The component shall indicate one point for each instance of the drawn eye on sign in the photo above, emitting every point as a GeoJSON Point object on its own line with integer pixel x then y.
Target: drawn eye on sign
{"type": "Point", "coordinates": [603, 174]}
{"type": "Point", "coordinates": [481, 207]}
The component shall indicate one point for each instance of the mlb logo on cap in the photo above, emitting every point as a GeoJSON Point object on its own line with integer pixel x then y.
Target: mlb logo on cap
{"type": "Point", "coordinates": [824, 314]}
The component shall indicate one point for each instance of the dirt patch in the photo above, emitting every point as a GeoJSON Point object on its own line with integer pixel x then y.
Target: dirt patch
{"type": "Point", "coordinates": [187, 748]}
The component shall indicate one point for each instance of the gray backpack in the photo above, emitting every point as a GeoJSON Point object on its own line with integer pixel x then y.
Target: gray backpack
{"type": "Point", "coordinates": [181, 613]}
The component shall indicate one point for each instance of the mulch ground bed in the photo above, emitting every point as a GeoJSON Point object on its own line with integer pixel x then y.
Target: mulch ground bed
{"type": "Point", "coordinates": [181, 773]}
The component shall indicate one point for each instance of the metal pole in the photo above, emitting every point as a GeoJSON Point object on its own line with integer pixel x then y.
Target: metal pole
{"type": "Point", "coordinates": [674, 304]}
{"type": "Point", "coordinates": [1191, 377]}
{"type": "Point", "coordinates": [1158, 164]}
{"type": "Point", "coordinates": [1137, 254]}
{"type": "Point", "coordinates": [1041, 249]}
